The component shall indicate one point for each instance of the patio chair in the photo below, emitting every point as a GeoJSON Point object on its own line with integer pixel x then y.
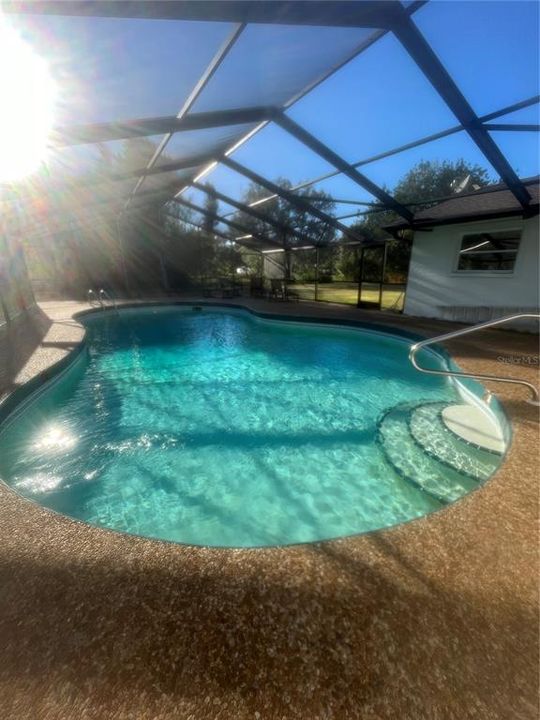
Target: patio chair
{"type": "Point", "coordinates": [290, 294]}
{"type": "Point", "coordinates": [256, 287]}
{"type": "Point", "coordinates": [277, 289]}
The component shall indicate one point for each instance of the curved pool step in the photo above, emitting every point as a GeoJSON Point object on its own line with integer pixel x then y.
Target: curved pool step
{"type": "Point", "coordinates": [413, 464]}
{"type": "Point", "coordinates": [431, 434]}
{"type": "Point", "coordinates": [474, 427]}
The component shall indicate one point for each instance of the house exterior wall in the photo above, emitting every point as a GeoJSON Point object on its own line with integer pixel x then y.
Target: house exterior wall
{"type": "Point", "coordinates": [274, 265]}
{"type": "Point", "coordinates": [435, 289]}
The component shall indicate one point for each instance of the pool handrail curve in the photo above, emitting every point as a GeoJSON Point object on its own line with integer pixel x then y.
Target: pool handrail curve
{"type": "Point", "coordinates": [104, 295]}
{"type": "Point", "coordinates": [534, 399]}
{"type": "Point", "coordinates": [92, 299]}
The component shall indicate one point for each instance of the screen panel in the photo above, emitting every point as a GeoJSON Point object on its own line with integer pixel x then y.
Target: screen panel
{"type": "Point", "coordinates": [522, 150]}
{"type": "Point", "coordinates": [270, 64]}
{"type": "Point", "coordinates": [109, 69]}
{"type": "Point", "coordinates": [193, 143]}
{"type": "Point", "coordinates": [378, 101]}
{"type": "Point", "coordinates": [490, 48]}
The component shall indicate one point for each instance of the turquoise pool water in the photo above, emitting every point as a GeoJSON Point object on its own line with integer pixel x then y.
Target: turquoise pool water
{"type": "Point", "coordinates": [220, 428]}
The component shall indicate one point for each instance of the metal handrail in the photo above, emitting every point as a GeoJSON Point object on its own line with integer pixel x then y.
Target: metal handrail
{"type": "Point", "coordinates": [104, 296]}
{"type": "Point", "coordinates": [535, 400]}
{"type": "Point", "coordinates": [93, 299]}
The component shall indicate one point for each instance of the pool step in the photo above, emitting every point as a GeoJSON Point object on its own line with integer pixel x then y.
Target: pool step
{"type": "Point", "coordinates": [432, 435]}
{"type": "Point", "coordinates": [474, 427]}
{"type": "Point", "coordinates": [413, 464]}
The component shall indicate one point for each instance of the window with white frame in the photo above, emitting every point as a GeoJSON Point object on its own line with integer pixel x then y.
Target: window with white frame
{"type": "Point", "coordinates": [489, 251]}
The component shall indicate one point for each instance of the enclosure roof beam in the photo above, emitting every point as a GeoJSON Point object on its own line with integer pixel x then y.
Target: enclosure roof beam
{"type": "Point", "coordinates": [230, 238]}
{"type": "Point", "coordinates": [149, 194]}
{"type": "Point", "coordinates": [198, 160]}
{"type": "Point", "coordinates": [339, 201]}
{"type": "Point", "coordinates": [192, 162]}
{"type": "Point", "coordinates": [199, 227]}
{"type": "Point", "coordinates": [282, 227]}
{"type": "Point", "coordinates": [201, 83]}
{"type": "Point", "coordinates": [339, 13]}
{"type": "Point", "coordinates": [125, 129]}
{"type": "Point", "coordinates": [512, 127]}
{"type": "Point", "coordinates": [219, 218]}
{"type": "Point", "coordinates": [290, 197]}
{"type": "Point", "coordinates": [366, 43]}
{"type": "Point", "coordinates": [186, 164]}
{"type": "Point", "coordinates": [360, 214]}
{"type": "Point", "coordinates": [425, 58]}
{"type": "Point", "coordinates": [339, 163]}
{"type": "Point", "coordinates": [443, 133]}
{"type": "Point", "coordinates": [416, 143]}
{"type": "Point", "coordinates": [521, 105]}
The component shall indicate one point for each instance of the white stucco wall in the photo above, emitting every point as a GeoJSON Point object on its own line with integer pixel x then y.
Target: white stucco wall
{"type": "Point", "coordinates": [435, 289]}
{"type": "Point", "coordinates": [274, 265]}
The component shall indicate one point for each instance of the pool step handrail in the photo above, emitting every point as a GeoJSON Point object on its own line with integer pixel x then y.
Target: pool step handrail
{"type": "Point", "coordinates": [533, 400]}
{"type": "Point", "coordinates": [93, 299]}
{"type": "Point", "coordinates": [101, 298]}
{"type": "Point", "coordinates": [105, 296]}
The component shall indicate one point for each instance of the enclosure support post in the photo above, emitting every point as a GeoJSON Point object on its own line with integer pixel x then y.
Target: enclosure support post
{"type": "Point", "coordinates": [122, 255]}
{"type": "Point", "coordinates": [383, 273]}
{"type": "Point", "coordinates": [317, 273]}
{"type": "Point", "coordinates": [360, 275]}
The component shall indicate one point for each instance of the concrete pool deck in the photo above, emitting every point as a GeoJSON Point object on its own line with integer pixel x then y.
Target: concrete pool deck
{"type": "Point", "coordinates": [434, 619]}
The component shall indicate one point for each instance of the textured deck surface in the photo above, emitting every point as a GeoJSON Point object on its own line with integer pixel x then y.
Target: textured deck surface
{"type": "Point", "coordinates": [434, 619]}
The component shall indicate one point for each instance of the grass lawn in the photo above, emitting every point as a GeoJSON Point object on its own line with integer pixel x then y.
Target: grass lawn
{"type": "Point", "coordinates": [347, 293]}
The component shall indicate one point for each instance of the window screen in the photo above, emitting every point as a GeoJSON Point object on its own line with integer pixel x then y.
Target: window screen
{"type": "Point", "coordinates": [489, 252]}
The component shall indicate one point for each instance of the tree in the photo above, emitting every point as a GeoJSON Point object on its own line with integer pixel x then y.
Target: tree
{"type": "Point", "coordinates": [431, 180]}
{"type": "Point", "coordinates": [196, 252]}
{"type": "Point", "coordinates": [427, 181]}
{"type": "Point", "coordinates": [182, 248]}
{"type": "Point", "coordinates": [80, 207]}
{"type": "Point", "coordinates": [312, 231]}
{"type": "Point", "coordinates": [309, 230]}
{"type": "Point", "coordinates": [209, 223]}
{"type": "Point", "coordinates": [421, 187]}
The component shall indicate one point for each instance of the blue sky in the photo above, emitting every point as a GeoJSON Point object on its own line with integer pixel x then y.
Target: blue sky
{"type": "Point", "coordinates": [380, 100]}
{"type": "Point", "coordinates": [115, 69]}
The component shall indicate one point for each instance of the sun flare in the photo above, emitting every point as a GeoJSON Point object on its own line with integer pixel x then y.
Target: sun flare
{"type": "Point", "coordinates": [27, 96]}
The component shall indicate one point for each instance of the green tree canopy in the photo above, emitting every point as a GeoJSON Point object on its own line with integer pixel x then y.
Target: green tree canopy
{"type": "Point", "coordinates": [431, 180]}
{"type": "Point", "coordinates": [312, 230]}
{"type": "Point", "coordinates": [427, 182]}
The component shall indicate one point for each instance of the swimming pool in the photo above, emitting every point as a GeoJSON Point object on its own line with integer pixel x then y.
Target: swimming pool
{"type": "Point", "coordinates": [217, 427]}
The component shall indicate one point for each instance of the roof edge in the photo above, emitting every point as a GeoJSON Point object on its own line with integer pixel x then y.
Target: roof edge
{"type": "Point", "coordinates": [530, 212]}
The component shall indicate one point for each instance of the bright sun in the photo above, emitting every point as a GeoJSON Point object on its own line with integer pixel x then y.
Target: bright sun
{"type": "Point", "coordinates": [27, 97]}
